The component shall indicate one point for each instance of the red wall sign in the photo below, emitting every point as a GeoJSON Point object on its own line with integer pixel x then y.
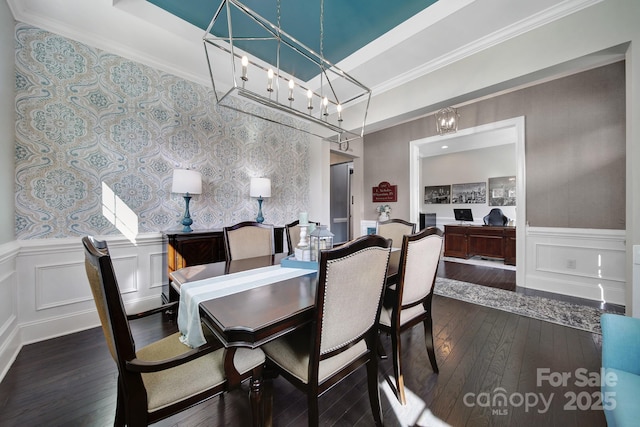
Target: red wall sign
{"type": "Point", "coordinates": [385, 192]}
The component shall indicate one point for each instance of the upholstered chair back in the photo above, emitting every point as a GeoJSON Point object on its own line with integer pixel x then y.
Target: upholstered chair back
{"type": "Point", "coordinates": [421, 264]}
{"type": "Point", "coordinates": [248, 240]}
{"type": "Point", "coordinates": [352, 290]}
{"type": "Point", "coordinates": [108, 300]}
{"type": "Point", "coordinates": [395, 229]}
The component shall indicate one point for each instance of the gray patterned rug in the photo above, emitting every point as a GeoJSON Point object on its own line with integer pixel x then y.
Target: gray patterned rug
{"type": "Point", "coordinates": [546, 309]}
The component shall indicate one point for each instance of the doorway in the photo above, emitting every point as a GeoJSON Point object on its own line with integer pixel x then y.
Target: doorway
{"type": "Point", "coordinates": [418, 149]}
{"type": "Point", "coordinates": [340, 201]}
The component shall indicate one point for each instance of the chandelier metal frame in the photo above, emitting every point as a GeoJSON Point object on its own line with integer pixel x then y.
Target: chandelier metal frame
{"type": "Point", "coordinates": [331, 93]}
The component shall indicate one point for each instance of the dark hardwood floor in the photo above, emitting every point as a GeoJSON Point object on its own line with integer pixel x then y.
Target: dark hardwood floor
{"type": "Point", "coordinates": [486, 357]}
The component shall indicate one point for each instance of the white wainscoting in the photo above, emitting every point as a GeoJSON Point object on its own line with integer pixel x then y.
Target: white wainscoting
{"type": "Point", "coordinates": [585, 263]}
{"type": "Point", "coordinates": [44, 291]}
{"type": "Point", "coordinates": [9, 334]}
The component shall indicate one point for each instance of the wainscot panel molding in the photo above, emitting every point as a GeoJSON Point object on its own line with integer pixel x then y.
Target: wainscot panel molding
{"type": "Point", "coordinates": [9, 338]}
{"type": "Point", "coordinates": [44, 291]}
{"type": "Point", "coordinates": [585, 263]}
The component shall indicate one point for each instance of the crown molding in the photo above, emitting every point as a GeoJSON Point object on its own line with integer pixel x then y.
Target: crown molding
{"type": "Point", "coordinates": [514, 30]}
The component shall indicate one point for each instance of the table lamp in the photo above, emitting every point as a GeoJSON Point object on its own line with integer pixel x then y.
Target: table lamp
{"type": "Point", "coordinates": [260, 187]}
{"type": "Point", "coordinates": [186, 182]}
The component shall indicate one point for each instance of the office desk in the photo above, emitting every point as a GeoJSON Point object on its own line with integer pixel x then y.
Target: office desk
{"type": "Point", "coordinates": [465, 241]}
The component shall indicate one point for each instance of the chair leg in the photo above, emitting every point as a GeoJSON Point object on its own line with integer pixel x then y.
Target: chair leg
{"type": "Point", "coordinates": [119, 420]}
{"type": "Point", "coordinates": [397, 368]}
{"type": "Point", "coordinates": [428, 339]}
{"type": "Point", "coordinates": [374, 390]}
{"type": "Point", "coordinates": [381, 353]}
{"type": "Point", "coordinates": [314, 413]}
{"type": "Point", "coordinates": [257, 412]}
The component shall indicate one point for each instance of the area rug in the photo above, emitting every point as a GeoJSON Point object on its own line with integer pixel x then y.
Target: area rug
{"type": "Point", "coordinates": [546, 309]}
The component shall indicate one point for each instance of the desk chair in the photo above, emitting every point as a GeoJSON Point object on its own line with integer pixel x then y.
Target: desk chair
{"type": "Point", "coordinates": [164, 377]}
{"type": "Point", "coordinates": [495, 217]}
{"type": "Point", "coordinates": [293, 234]}
{"type": "Point", "coordinates": [395, 229]}
{"type": "Point", "coordinates": [410, 302]}
{"type": "Point", "coordinates": [248, 239]}
{"type": "Point", "coordinates": [342, 336]}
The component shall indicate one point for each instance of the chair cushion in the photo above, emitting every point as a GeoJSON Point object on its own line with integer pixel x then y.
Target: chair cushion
{"type": "Point", "coordinates": [406, 314]}
{"type": "Point", "coordinates": [291, 353]}
{"type": "Point", "coordinates": [625, 395]}
{"type": "Point", "coordinates": [181, 382]}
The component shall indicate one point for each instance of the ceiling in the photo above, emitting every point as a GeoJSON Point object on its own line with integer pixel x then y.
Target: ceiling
{"type": "Point", "coordinates": [346, 27]}
{"type": "Point", "coordinates": [385, 45]}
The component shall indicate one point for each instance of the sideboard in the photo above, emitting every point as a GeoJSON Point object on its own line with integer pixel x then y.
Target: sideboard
{"type": "Point", "coordinates": [465, 241]}
{"type": "Point", "coordinates": [196, 248]}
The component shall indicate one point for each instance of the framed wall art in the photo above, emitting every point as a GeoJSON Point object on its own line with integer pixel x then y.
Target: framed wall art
{"type": "Point", "coordinates": [475, 192]}
{"type": "Point", "coordinates": [437, 194]}
{"type": "Point", "coordinates": [502, 191]}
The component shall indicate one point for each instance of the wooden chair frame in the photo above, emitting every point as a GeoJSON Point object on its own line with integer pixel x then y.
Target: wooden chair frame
{"type": "Point", "coordinates": [313, 388]}
{"type": "Point", "coordinates": [132, 406]}
{"type": "Point", "coordinates": [397, 328]}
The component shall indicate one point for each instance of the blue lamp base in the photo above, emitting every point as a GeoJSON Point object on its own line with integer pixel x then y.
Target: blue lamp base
{"type": "Point", "coordinates": [186, 220]}
{"type": "Point", "coordinates": [260, 218]}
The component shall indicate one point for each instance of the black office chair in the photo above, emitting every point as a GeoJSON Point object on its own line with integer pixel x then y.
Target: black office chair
{"type": "Point", "coordinates": [495, 217]}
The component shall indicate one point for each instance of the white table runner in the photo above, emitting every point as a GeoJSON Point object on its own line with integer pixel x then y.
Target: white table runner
{"type": "Point", "coordinates": [193, 293]}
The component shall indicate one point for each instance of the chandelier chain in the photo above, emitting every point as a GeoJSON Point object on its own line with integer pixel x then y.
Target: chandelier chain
{"type": "Point", "coordinates": [322, 29]}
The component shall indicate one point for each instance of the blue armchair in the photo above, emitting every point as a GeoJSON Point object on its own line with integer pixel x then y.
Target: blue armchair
{"type": "Point", "coordinates": [621, 365]}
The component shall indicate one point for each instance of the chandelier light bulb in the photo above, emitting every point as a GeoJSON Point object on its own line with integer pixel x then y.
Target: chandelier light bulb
{"type": "Point", "coordinates": [245, 62]}
{"type": "Point", "coordinates": [325, 105]}
{"type": "Point", "coordinates": [339, 108]}
{"type": "Point", "coordinates": [309, 95]}
{"type": "Point", "coordinates": [270, 80]}
{"type": "Point", "coordinates": [292, 84]}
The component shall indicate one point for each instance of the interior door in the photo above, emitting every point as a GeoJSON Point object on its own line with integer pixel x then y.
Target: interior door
{"type": "Point", "coordinates": [340, 199]}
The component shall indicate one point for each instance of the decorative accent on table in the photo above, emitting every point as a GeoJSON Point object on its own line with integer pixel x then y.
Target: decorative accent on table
{"type": "Point", "coordinates": [292, 262]}
{"type": "Point", "coordinates": [383, 212]}
{"type": "Point", "coordinates": [502, 191]}
{"type": "Point", "coordinates": [302, 250]}
{"type": "Point", "coordinates": [385, 192]}
{"type": "Point", "coordinates": [186, 182]}
{"type": "Point", "coordinates": [260, 187]}
{"type": "Point", "coordinates": [475, 192]}
{"type": "Point", "coordinates": [321, 239]}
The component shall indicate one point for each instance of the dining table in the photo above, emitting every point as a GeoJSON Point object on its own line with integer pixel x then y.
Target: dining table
{"type": "Point", "coordinates": [252, 317]}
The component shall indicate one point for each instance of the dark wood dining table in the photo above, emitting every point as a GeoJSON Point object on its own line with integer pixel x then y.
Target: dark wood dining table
{"type": "Point", "coordinates": [253, 317]}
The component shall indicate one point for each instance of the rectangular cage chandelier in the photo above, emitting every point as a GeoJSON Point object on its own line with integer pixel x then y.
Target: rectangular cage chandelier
{"type": "Point", "coordinates": [255, 59]}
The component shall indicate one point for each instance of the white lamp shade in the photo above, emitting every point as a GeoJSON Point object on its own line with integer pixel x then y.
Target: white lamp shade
{"type": "Point", "coordinates": [186, 181]}
{"type": "Point", "coordinates": [260, 187]}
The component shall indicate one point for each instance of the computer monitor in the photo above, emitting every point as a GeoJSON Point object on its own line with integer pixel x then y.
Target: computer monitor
{"type": "Point", "coordinates": [463, 215]}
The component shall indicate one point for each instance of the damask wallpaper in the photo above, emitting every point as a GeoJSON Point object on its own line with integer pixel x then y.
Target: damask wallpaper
{"type": "Point", "coordinates": [88, 120]}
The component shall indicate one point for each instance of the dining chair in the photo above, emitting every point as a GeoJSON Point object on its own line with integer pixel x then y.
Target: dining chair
{"type": "Point", "coordinates": [248, 239]}
{"type": "Point", "coordinates": [342, 336]}
{"type": "Point", "coordinates": [408, 303]}
{"type": "Point", "coordinates": [164, 377]}
{"type": "Point", "coordinates": [395, 229]}
{"type": "Point", "coordinates": [293, 234]}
